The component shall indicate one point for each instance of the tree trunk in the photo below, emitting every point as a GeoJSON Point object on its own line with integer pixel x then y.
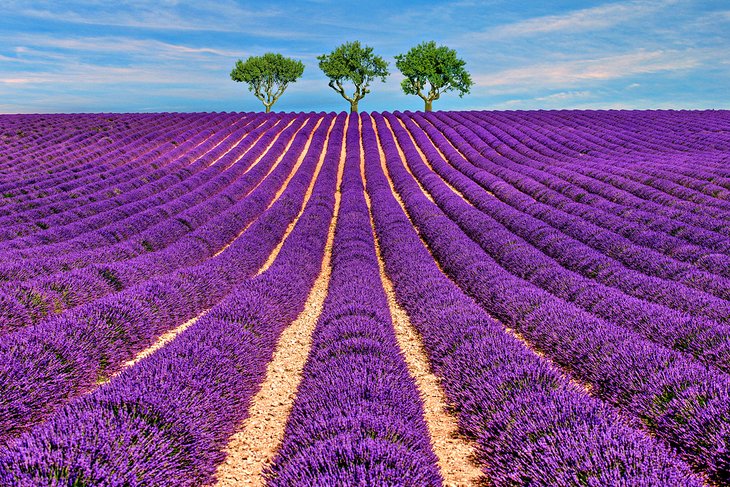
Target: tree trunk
{"type": "Point", "coordinates": [268, 108]}
{"type": "Point", "coordinates": [429, 105]}
{"type": "Point", "coordinates": [353, 106]}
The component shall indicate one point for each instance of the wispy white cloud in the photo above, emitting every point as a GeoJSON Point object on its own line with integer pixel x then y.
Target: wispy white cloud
{"type": "Point", "coordinates": [571, 73]}
{"type": "Point", "coordinates": [565, 95]}
{"type": "Point", "coordinates": [130, 46]}
{"type": "Point", "coordinates": [553, 100]}
{"type": "Point", "coordinates": [16, 81]}
{"type": "Point", "coordinates": [9, 59]}
{"type": "Point", "coordinates": [600, 17]}
{"type": "Point", "coordinates": [219, 16]}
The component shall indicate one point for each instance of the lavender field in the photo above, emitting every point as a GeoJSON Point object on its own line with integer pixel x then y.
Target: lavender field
{"type": "Point", "coordinates": [448, 298]}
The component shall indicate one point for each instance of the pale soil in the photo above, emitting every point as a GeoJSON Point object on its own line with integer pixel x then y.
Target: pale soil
{"type": "Point", "coordinates": [253, 447]}
{"type": "Point", "coordinates": [455, 453]}
{"type": "Point", "coordinates": [168, 336]}
{"type": "Point", "coordinates": [163, 340]}
{"type": "Point", "coordinates": [443, 156]}
{"type": "Point", "coordinates": [307, 196]}
{"type": "Point", "coordinates": [583, 386]}
{"type": "Point", "coordinates": [276, 163]}
{"type": "Point", "coordinates": [240, 140]}
{"type": "Point", "coordinates": [404, 159]}
{"type": "Point", "coordinates": [587, 388]}
{"type": "Point", "coordinates": [428, 164]}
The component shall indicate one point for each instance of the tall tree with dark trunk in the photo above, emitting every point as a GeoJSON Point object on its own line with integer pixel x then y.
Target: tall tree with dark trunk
{"type": "Point", "coordinates": [355, 63]}
{"type": "Point", "coordinates": [267, 76]}
{"type": "Point", "coordinates": [437, 67]}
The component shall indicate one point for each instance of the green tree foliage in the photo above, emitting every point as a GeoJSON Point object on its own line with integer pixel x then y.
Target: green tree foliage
{"type": "Point", "coordinates": [355, 63]}
{"type": "Point", "coordinates": [268, 75]}
{"type": "Point", "coordinates": [436, 66]}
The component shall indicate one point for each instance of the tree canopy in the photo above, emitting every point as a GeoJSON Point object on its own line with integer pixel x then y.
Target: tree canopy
{"type": "Point", "coordinates": [439, 67]}
{"type": "Point", "coordinates": [355, 63]}
{"type": "Point", "coordinates": [267, 76]}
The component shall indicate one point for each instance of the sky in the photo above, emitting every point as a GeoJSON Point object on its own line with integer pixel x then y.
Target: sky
{"type": "Point", "coordinates": [165, 56]}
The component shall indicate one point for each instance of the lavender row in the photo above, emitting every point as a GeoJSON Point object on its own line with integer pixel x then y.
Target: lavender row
{"type": "Point", "coordinates": [109, 194]}
{"type": "Point", "coordinates": [608, 246]}
{"type": "Point", "coordinates": [548, 230]}
{"type": "Point", "coordinates": [89, 170]}
{"type": "Point", "coordinates": [667, 225]}
{"type": "Point", "coordinates": [506, 398]}
{"type": "Point", "coordinates": [635, 139]}
{"type": "Point", "coordinates": [54, 163]}
{"type": "Point", "coordinates": [186, 399]}
{"type": "Point", "coordinates": [203, 231]}
{"type": "Point", "coordinates": [639, 195]}
{"type": "Point", "coordinates": [21, 135]}
{"type": "Point", "coordinates": [157, 237]}
{"type": "Point", "coordinates": [143, 163]}
{"type": "Point", "coordinates": [592, 185]}
{"type": "Point", "coordinates": [681, 402]}
{"type": "Point", "coordinates": [589, 192]}
{"type": "Point", "coordinates": [695, 216]}
{"type": "Point", "coordinates": [534, 183]}
{"type": "Point", "coordinates": [46, 152]}
{"type": "Point", "coordinates": [104, 215]}
{"type": "Point", "coordinates": [357, 418]}
{"type": "Point", "coordinates": [56, 211]}
{"type": "Point", "coordinates": [679, 160]}
{"type": "Point", "coordinates": [145, 166]}
{"type": "Point", "coordinates": [608, 135]}
{"type": "Point", "coordinates": [112, 241]}
{"type": "Point", "coordinates": [707, 340]}
{"type": "Point", "coordinates": [599, 164]}
{"type": "Point", "coordinates": [678, 130]}
{"type": "Point", "coordinates": [662, 175]}
{"type": "Point", "coordinates": [57, 132]}
{"type": "Point", "coordinates": [54, 139]}
{"type": "Point", "coordinates": [31, 301]}
{"type": "Point", "coordinates": [44, 366]}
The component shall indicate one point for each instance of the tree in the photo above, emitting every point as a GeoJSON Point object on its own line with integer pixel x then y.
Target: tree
{"type": "Point", "coordinates": [437, 66]}
{"type": "Point", "coordinates": [355, 63]}
{"type": "Point", "coordinates": [268, 75]}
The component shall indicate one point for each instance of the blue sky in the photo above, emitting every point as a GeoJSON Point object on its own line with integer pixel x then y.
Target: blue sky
{"type": "Point", "coordinates": [129, 56]}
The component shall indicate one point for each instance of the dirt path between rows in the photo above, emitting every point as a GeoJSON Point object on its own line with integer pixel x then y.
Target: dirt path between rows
{"type": "Point", "coordinates": [273, 166]}
{"type": "Point", "coordinates": [585, 387]}
{"type": "Point", "coordinates": [253, 447]}
{"type": "Point", "coordinates": [170, 335]}
{"type": "Point", "coordinates": [455, 452]}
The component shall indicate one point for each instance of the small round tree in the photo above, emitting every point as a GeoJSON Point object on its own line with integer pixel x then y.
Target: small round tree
{"type": "Point", "coordinates": [355, 63]}
{"type": "Point", "coordinates": [436, 66]}
{"type": "Point", "coordinates": [268, 75]}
